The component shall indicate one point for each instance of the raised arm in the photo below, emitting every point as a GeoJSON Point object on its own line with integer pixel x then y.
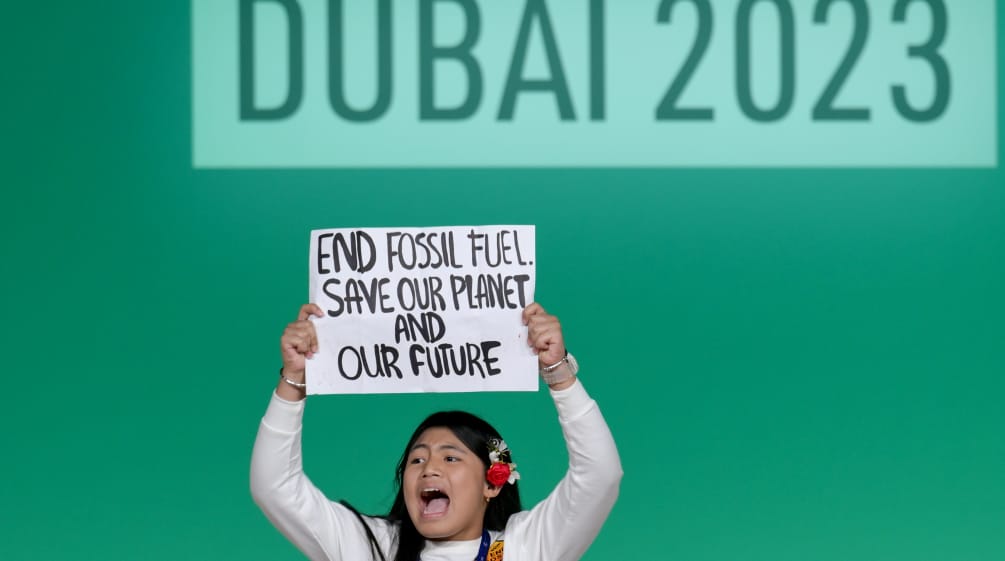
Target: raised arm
{"type": "Point", "coordinates": [320, 528]}
{"type": "Point", "coordinates": [562, 527]}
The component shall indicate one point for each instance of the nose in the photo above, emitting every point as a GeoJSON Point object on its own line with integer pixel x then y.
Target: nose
{"type": "Point", "coordinates": [431, 468]}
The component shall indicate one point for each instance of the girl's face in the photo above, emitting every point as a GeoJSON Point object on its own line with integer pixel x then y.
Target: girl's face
{"type": "Point", "coordinates": [445, 488]}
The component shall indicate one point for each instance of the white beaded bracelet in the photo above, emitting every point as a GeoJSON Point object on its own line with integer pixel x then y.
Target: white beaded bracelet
{"type": "Point", "coordinates": [552, 375]}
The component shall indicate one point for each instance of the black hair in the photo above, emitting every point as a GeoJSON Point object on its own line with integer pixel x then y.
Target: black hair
{"type": "Point", "coordinates": [475, 433]}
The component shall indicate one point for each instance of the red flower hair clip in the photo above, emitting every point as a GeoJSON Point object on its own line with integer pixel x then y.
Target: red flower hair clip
{"type": "Point", "coordinates": [502, 469]}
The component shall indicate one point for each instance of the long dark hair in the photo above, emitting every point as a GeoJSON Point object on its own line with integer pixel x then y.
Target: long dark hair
{"type": "Point", "coordinates": [475, 433]}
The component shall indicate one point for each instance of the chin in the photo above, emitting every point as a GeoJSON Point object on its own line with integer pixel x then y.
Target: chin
{"type": "Point", "coordinates": [434, 530]}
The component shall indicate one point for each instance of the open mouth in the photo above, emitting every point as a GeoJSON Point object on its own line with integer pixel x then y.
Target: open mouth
{"type": "Point", "coordinates": [434, 502]}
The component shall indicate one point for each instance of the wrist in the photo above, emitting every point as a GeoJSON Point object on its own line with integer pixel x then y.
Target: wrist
{"type": "Point", "coordinates": [292, 385]}
{"type": "Point", "coordinates": [297, 379]}
{"type": "Point", "coordinates": [562, 374]}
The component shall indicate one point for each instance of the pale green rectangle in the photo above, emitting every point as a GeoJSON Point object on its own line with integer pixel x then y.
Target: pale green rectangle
{"type": "Point", "coordinates": [641, 59]}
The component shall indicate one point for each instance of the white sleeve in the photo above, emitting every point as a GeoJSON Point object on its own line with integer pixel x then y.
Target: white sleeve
{"type": "Point", "coordinates": [562, 526]}
{"type": "Point", "coordinates": [320, 528]}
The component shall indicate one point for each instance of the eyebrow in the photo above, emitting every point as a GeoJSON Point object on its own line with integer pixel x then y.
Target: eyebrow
{"type": "Point", "coordinates": [440, 447]}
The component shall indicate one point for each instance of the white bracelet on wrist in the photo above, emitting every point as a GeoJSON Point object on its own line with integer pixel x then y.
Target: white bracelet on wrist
{"type": "Point", "coordinates": [561, 371]}
{"type": "Point", "coordinates": [298, 385]}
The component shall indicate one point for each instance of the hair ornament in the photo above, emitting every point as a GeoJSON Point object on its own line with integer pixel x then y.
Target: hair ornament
{"type": "Point", "coordinates": [502, 469]}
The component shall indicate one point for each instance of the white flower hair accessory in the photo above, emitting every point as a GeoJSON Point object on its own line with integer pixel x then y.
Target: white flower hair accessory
{"type": "Point", "coordinates": [502, 469]}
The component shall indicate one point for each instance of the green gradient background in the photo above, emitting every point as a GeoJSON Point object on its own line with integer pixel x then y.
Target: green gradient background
{"type": "Point", "coordinates": [800, 365]}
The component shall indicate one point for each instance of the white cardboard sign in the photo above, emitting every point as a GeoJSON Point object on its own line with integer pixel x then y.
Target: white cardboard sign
{"type": "Point", "coordinates": [412, 310]}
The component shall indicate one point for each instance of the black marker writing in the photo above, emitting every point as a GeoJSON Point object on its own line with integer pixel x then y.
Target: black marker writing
{"type": "Point", "coordinates": [469, 359]}
{"type": "Point", "coordinates": [428, 327]}
{"type": "Point", "coordinates": [359, 252]}
{"type": "Point", "coordinates": [496, 251]}
{"type": "Point", "coordinates": [425, 250]}
{"type": "Point", "coordinates": [355, 293]}
{"type": "Point", "coordinates": [421, 294]}
{"type": "Point", "coordinates": [484, 291]}
{"type": "Point", "coordinates": [353, 362]}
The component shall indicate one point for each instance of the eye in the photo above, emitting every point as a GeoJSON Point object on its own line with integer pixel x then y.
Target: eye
{"type": "Point", "coordinates": [416, 460]}
{"type": "Point", "coordinates": [452, 459]}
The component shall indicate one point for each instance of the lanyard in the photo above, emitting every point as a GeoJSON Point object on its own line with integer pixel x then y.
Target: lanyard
{"type": "Point", "coordinates": [483, 549]}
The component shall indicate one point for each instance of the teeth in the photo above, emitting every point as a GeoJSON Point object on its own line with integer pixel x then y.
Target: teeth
{"type": "Point", "coordinates": [431, 490]}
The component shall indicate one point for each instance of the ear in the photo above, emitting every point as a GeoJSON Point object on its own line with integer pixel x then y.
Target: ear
{"type": "Point", "coordinates": [491, 492]}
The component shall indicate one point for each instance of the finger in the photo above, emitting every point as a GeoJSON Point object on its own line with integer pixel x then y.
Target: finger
{"type": "Point", "coordinates": [306, 329]}
{"type": "Point", "coordinates": [299, 328]}
{"type": "Point", "coordinates": [301, 335]}
{"type": "Point", "coordinates": [292, 359]}
{"type": "Point", "coordinates": [289, 352]}
{"type": "Point", "coordinates": [539, 318]}
{"type": "Point", "coordinates": [547, 340]}
{"type": "Point", "coordinates": [544, 335]}
{"type": "Point", "coordinates": [308, 310]}
{"type": "Point", "coordinates": [295, 343]}
{"type": "Point", "coordinates": [542, 323]}
{"type": "Point", "coordinates": [550, 351]}
{"type": "Point", "coordinates": [530, 311]}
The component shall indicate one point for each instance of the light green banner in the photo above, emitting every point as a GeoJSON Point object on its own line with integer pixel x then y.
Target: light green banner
{"type": "Point", "coordinates": [350, 83]}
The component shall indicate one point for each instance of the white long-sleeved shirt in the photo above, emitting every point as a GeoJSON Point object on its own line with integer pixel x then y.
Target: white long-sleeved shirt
{"type": "Point", "coordinates": [559, 528]}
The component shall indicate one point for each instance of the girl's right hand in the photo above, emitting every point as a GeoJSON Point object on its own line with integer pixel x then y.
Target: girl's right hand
{"type": "Point", "coordinates": [299, 342]}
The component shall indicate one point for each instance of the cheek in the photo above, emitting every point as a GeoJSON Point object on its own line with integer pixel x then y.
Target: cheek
{"type": "Point", "coordinates": [408, 484]}
{"type": "Point", "coordinates": [474, 482]}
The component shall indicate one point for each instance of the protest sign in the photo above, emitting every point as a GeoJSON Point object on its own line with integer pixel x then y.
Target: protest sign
{"type": "Point", "coordinates": [411, 310]}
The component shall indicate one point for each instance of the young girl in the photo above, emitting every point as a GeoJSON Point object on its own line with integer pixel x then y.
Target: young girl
{"type": "Point", "coordinates": [457, 496]}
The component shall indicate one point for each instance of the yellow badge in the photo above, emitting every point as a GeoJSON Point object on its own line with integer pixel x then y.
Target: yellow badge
{"type": "Point", "coordinates": [495, 551]}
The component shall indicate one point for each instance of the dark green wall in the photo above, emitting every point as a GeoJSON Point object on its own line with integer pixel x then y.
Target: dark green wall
{"type": "Point", "coordinates": [798, 365]}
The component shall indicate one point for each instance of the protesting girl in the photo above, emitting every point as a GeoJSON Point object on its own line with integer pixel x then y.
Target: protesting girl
{"type": "Point", "coordinates": [457, 496]}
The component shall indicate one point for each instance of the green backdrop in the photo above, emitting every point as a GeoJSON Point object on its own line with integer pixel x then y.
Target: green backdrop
{"type": "Point", "coordinates": [800, 365]}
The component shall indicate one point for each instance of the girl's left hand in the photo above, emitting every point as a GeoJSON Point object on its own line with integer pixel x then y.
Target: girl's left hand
{"type": "Point", "coordinates": [544, 335]}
